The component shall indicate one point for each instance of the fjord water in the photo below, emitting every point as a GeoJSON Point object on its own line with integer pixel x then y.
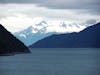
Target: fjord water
{"type": "Point", "coordinates": [49, 61]}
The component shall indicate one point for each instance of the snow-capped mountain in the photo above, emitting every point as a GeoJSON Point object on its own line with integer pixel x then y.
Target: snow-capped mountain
{"type": "Point", "coordinates": [43, 29]}
{"type": "Point", "coordinates": [88, 38]}
{"type": "Point", "coordinates": [32, 34]}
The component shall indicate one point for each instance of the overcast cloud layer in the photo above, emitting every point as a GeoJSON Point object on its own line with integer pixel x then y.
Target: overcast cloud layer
{"type": "Point", "coordinates": [32, 10]}
{"type": "Point", "coordinates": [61, 4]}
{"type": "Point", "coordinates": [19, 13]}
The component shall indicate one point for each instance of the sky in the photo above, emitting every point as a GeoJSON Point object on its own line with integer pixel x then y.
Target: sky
{"type": "Point", "coordinates": [17, 15]}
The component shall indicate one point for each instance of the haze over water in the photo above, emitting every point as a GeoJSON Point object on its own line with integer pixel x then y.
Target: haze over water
{"type": "Point", "coordinates": [68, 61]}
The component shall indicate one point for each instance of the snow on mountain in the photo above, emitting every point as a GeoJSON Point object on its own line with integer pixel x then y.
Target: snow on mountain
{"type": "Point", "coordinates": [32, 34]}
{"type": "Point", "coordinates": [43, 29]}
{"type": "Point", "coordinates": [65, 27]}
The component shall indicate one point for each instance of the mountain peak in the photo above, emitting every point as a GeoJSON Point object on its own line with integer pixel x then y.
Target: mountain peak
{"type": "Point", "coordinates": [42, 23]}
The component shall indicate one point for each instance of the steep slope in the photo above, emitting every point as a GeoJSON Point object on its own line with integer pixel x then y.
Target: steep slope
{"type": "Point", "coordinates": [88, 38]}
{"type": "Point", "coordinates": [10, 44]}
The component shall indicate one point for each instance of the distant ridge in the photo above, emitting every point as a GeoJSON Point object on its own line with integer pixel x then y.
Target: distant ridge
{"type": "Point", "coordinates": [88, 38]}
{"type": "Point", "coordinates": [10, 44]}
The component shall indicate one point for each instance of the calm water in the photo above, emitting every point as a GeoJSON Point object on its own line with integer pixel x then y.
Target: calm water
{"type": "Point", "coordinates": [52, 62]}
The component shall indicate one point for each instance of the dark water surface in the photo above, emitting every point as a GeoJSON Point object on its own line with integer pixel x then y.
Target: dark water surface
{"type": "Point", "coordinates": [69, 61]}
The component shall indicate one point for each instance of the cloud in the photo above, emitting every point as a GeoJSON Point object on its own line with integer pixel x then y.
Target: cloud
{"type": "Point", "coordinates": [16, 17]}
{"type": "Point", "coordinates": [15, 24]}
{"type": "Point", "coordinates": [91, 21]}
{"type": "Point", "coordinates": [60, 4]}
{"type": "Point", "coordinates": [33, 11]}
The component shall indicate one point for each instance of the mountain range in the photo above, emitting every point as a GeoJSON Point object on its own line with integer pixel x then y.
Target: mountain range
{"type": "Point", "coordinates": [87, 38]}
{"type": "Point", "coordinates": [44, 29]}
{"type": "Point", "coordinates": [9, 44]}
